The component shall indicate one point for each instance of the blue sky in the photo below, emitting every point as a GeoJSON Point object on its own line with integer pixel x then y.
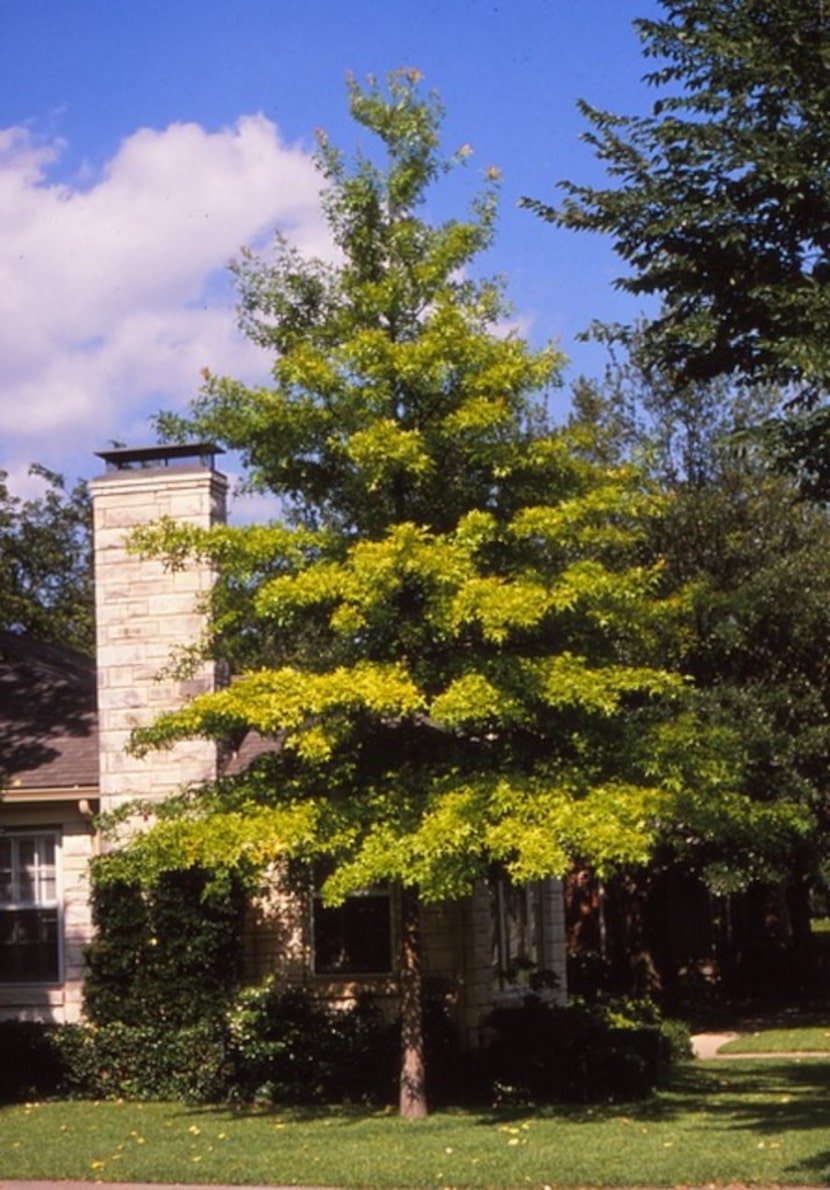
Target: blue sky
{"type": "Point", "coordinates": [142, 142]}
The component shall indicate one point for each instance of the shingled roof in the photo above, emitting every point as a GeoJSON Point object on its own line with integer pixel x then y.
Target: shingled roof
{"type": "Point", "coordinates": [48, 717]}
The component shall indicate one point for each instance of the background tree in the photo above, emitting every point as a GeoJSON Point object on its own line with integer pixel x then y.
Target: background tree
{"type": "Point", "coordinates": [451, 631]}
{"type": "Point", "coordinates": [752, 562]}
{"type": "Point", "coordinates": [720, 204]}
{"type": "Point", "coordinates": [46, 563]}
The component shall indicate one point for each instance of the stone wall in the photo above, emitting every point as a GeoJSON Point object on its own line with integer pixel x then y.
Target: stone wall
{"type": "Point", "coordinates": [144, 613]}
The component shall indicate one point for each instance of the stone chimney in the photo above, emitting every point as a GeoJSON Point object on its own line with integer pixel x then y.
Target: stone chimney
{"type": "Point", "coordinates": [144, 613]}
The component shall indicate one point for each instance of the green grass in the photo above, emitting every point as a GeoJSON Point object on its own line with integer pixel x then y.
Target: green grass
{"type": "Point", "coordinates": [738, 1122]}
{"type": "Point", "coordinates": [781, 1041]}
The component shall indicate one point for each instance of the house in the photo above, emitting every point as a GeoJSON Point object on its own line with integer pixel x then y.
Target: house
{"type": "Point", "coordinates": [48, 795]}
{"type": "Point", "coordinates": [61, 759]}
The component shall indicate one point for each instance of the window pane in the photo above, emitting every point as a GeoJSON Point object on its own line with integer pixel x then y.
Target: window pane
{"type": "Point", "coordinates": [29, 945]}
{"type": "Point", "coordinates": [46, 886]}
{"type": "Point", "coordinates": [26, 871]}
{"type": "Point", "coordinates": [516, 929]}
{"type": "Point", "coordinates": [354, 938]}
{"type": "Point", "coordinates": [29, 920]}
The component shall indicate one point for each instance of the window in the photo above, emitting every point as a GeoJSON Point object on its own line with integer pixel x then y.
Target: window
{"type": "Point", "coordinates": [29, 912]}
{"type": "Point", "coordinates": [354, 938]}
{"type": "Point", "coordinates": [517, 930]}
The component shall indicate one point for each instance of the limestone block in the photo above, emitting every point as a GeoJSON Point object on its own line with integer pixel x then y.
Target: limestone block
{"type": "Point", "coordinates": [123, 653]}
{"type": "Point", "coordinates": [129, 628]}
{"type": "Point", "coordinates": [112, 614]}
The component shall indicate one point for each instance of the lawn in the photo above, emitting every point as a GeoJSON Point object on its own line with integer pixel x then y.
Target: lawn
{"type": "Point", "coordinates": [719, 1123]}
{"type": "Point", "coordinates": [780, 1041]}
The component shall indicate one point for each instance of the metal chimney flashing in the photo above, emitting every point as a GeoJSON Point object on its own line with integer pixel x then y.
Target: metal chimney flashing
{"type": "Point", "coordinates": [150, 458]}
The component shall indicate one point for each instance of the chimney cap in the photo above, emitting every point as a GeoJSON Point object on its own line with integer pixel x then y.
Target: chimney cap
{"type": "Point", "coordinates": [136, 458]}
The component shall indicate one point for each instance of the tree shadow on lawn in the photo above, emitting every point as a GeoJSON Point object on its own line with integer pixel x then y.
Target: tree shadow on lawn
{"type": "Point", "coordinates": [762, 1096]}
{"type": "Point", "coordinates": [767, 1096]}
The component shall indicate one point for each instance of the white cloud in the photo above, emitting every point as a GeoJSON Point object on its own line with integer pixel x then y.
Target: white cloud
{"type": "Point", "coordinates": [110, 302]}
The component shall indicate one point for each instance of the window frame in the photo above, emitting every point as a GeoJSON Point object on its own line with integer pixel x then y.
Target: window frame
{"type": "Point", "coordinates": [37, 834]}
{"type": "Point", "coordinates": [377, 892]}
{"type": "Point", "coordinates": [513, 965]}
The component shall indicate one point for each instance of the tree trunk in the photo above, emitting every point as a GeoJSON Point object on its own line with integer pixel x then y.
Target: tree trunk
{"type": "Point", "coordinates": [413, 1099]}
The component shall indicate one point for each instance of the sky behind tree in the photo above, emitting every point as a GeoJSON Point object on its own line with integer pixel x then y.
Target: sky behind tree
{"type": "Point", "coordinates": [143, 142]}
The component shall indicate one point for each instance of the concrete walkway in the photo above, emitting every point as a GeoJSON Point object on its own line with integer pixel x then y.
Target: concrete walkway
{"type": "Point", "coordinates": [706, 1045]}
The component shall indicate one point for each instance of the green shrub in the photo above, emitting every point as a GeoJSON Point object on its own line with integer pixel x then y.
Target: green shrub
{"type": "Point", "coordinates": [287, 1047]}
{"type": "Point", "coordinates": [276, 1045]}
{"type": "Point", "coordinates": [611, 1050]}
{"type": "Point", "coordinates": [169, 954]}
{"type": "Point", "coordinates": [113, 1062]}
{"type": "Point", "coordinates": [141, 1062]}
{"type": "Point", "coordinates": [280, 1045]}
{"type": "Point", "coordinates": [31, 1065]}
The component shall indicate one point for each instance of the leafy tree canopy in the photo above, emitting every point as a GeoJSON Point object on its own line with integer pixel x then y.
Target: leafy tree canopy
{"type": "Point", "coordinates": [46, 562]}
{"type": "Point", "coordinates": [449, 635]}
{"type": "Point", "coordinates": [751, 560]}
{"type": "Point", "coordinates": [452, 635]}
{"type": "Point", "coordinates": [720, 202]}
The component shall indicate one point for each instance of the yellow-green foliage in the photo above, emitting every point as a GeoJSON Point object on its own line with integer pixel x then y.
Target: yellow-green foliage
{"type": "Point", "coordinates": [449, 637]}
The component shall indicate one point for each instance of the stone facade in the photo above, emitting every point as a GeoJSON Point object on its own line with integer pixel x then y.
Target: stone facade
{"type": "Point", "coordinates": [460, 943]}
{"type": "Point", "coordinates": [144, 613]}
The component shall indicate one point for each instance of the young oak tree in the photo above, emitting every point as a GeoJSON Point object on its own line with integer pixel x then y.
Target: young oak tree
{"type": "Point", "coordinates": [449, 632]}
{"type": "Point", "coordinates": [719, 201]}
